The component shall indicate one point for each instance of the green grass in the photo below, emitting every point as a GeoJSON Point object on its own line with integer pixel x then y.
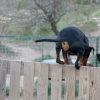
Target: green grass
{"type": "Point", "coordinates": [76, 88]}
{"type": "Point", "coordinates": [96, 13]}
{"type": "Point", "coordinates": [7, 91]}
{"type": "Point", "coordinates": [89, 26]}
{"type": "Point", "coordinates": [43, 31]}
{"type": "Point", "coordinates": [7, 50]}
{"type": "Point", "coordinates": [26, 32]}
{"type": "Point", "coordinates": [83, 2]}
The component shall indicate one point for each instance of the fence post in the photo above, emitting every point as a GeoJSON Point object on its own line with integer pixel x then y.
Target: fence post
{"type": "Point", "coordinates": [97, 47]}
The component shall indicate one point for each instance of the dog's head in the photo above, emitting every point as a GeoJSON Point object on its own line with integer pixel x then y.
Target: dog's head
{"type": "Point", "coordinates": [98, 57]}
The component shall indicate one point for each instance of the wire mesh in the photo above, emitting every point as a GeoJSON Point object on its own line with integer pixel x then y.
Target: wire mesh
{"type": "Point", "coordinates": [25, 49]}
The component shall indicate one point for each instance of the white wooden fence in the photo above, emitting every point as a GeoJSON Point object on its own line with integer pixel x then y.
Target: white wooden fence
{"type": "Point", "coordinates": [44, 71]}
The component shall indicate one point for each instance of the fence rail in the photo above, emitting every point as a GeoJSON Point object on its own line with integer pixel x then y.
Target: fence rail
{"type": "Point", "coordinates": [23, 48]}
{"type": "Point", "coordinates": [56, 73]}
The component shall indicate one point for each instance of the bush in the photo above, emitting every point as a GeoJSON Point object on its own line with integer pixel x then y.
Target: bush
{"type": "Point", "coordinates": [89, 26]}
{"type": "Point", "coordinates": [26, 32]}
{"type": "Point", "coordinates": [83, 2]}
{"type": "Point", "coordinates": [7, 50]}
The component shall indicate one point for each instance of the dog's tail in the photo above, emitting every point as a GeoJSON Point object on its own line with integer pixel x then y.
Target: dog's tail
{"type": "Point", "coordinates": [47, 40]}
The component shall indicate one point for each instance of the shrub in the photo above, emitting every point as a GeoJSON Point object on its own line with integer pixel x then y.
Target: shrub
{"type": "Point", "coordinates": [83, 2]}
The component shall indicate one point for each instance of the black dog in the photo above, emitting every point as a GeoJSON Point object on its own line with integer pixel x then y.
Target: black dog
{"type": "Point", "coordinates": [98, 57]}
{"type": "Point", "coordinates": [74, 42]}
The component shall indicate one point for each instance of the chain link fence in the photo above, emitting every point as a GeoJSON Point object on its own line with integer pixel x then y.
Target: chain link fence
{"type": "Point", "coordinates": [25, 49]}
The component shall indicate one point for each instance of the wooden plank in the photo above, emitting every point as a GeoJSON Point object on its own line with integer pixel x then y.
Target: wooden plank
{"type": "Point", "coordinates": [91, 93]}
{"type": "Point", "coordinates": [91, 74]}
{"type": "Point", "coordinates": [42, 91]}
{"type": "Point", "coordinates": [3, 69]}
{"type": "Point", "coordinates": [91, 90]}
{"type": "Point", "coordinates": [14, 80]}
{"type": "Point", "coordinates": [76, 98]}
{"type": "Point", "coordinates": [84, 83]}
{"type": "Point", "coordinates": [36, 64]}
{"type": "Point", "coordinates": [56, 81]}
{"type": "Point", "coordinates": [69, 83]}
{"type": "Point", "coordinates": [8, 66]}
{"type": "Point", "coordinates": [96, 83]}
{"type": "Point", "coordinates": [77, 74]}
{"type": "Point", "coordinates": [28, 80]}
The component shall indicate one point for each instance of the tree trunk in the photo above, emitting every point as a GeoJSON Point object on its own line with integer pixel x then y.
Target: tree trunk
{"type": "Point", "coordinates": [53, 24]}
{"type": "Point", "coordinates": [54, 29]}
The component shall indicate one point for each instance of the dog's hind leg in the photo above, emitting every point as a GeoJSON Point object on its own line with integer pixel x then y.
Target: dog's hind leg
{"type": "Point", "coordinates": [65, 57]}
{"type": "Point", "coordinates": [58, 56]}
{"type": "Point", "coordinates": [81, 62]}
{"type": "Point", "coordinates": [85, 59]}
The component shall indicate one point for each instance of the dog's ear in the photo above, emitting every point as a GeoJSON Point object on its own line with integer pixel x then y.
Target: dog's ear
{"type": "Point", "coordinates": [91, 48]}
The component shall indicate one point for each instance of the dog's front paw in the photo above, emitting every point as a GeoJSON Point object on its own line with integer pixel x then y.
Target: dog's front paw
{"type": "Point", "coordinates": [59, 62]}
{"type": "Point", "coordinates": [77, 66]}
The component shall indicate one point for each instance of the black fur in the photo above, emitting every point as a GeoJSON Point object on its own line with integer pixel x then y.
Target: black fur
{"type": "Point", "coordinates": [78, 42]}
{"type": "Point", "coordinates": [98, 57]}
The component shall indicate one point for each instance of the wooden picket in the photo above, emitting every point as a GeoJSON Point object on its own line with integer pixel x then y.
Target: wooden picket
{"type": "Point", "coordinates": [56, 82]}
{"type": "Point", "coordinates": [42, 92]}
{"type": "Point", "coordinates": [56, 73]}
{"type": "Point", "coordinates": [3, 69]}
{"type": "Point", "coordinates": [28, 81]}
{"type": "Point", "coordinates": [14, 80]}
{"type": "Point", "coordinates": [69, 83]}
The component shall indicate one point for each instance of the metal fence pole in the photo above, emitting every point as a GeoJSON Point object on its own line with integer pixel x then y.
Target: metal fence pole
{"type": "Point", "coordinates": [97, 47]}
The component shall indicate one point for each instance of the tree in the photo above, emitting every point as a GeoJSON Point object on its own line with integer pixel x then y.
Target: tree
{"type": "Point", "coordinates": [53, 11]}
{"type": "Point", "coordinates": [43, 12]}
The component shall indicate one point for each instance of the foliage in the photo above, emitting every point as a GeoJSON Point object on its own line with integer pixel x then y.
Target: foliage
{"type": "Point", "coordinates": [76, 88]}
{"type": "Point", "coordinates": [96, 13]}
{"type": "Point", "coordinates": [31, 18]}
{"type": "Point", "coordinates": [44, 31]}
{"type": "Point", "coordinates": [63, 89]}
{"type": "Point", "coordinates": [21, 3]}
{"type": "Point", "coordinates": [7, 91]}
{"type": "Point", "coordinates": [26, 32]}
{"type": "Point", "coordinates": [84, 13]}
{"type": "Point", "coordinates": [89, 26]}
{"type": "Point", "coordinates": [49, 88]}
{"type": "Point", "coordinates": [35, 88]}
{"type": "Point", "coordinates": [43, 12]}
{"type": "Point", "coordinates": [7, 50]}
{"type": "Point", "coordinates": [83, 2]}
